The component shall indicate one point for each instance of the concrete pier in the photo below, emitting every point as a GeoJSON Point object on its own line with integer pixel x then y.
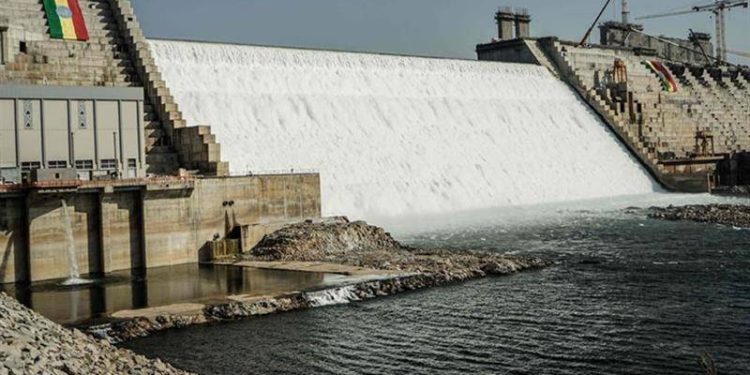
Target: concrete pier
{"type": "Point", "coordinates": [143, 223]}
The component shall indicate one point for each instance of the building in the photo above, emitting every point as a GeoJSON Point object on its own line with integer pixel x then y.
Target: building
{"type": "Point", "coordinates": [87, 122]}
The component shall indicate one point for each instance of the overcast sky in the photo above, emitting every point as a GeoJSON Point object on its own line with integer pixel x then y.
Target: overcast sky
{"type": "Point", "coordinates": [447, 28]}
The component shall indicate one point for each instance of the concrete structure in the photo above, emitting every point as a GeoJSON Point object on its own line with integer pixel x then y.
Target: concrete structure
{"type": "Point", "coordinates": [97, 131]}
{"type": "Point", "coordinates": [513, 24]}
{"type": "Point", "coordinates": [128, 225]}
{"type": "Point", "coordinates": [693, 50]}
{"type": "Point", "coordinates": [98, 127]}
{"type": "Point", "coordinates": [116, 55]}
{"type": "Point", "coordinates": [681, 136]}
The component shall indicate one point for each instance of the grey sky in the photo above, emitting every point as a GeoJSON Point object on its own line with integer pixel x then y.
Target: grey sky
{"type": "Point", "coordinates": [449, 28]}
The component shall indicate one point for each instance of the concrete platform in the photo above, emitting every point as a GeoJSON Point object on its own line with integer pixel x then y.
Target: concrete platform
{"type": "Point", "coordinates": [319, 267]}
{"type": "Point", "coordinates": [337, 276]}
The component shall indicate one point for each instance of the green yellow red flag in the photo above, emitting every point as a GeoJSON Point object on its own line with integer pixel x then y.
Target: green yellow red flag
{"type": "Point", "coordinates": [665, 76]}
{"type": "Point", "coordinates": [65, 20]}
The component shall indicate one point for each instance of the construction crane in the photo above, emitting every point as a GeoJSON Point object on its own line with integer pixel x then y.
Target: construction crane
{"type": "Point", "coordinates": [719, 9]}
{"type": "Point", "coordinates": [738, 53]}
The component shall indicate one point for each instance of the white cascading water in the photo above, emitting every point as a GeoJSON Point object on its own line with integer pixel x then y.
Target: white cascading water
{"type": "Point", "coordinates": [333, 296]}
{"type": "Point", "coordinates": [74, 274]}
{"type": "Point", "coordinates": [395, 135]}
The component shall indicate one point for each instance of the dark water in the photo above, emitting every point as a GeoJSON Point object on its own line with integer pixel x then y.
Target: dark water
{"type": "Point", "coordinates": [158, 287]}
{"type": "Point", "coordinates": [628, 296]}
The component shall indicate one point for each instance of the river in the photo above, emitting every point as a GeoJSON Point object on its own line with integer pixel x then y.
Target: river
{"type": "Point", "coordinates": [627, 295]}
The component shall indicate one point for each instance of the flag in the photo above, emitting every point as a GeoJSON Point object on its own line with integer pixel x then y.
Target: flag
{"type": "Point", "coordinates": [65, 20]}
{"type": "Point", "coordinates": [665, 76]}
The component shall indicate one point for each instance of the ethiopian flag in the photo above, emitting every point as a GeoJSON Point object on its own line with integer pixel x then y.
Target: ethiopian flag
{"type": "Point", "coordinates": [65, 20]}
{"type": "Point", "coordinates": [667, 80]}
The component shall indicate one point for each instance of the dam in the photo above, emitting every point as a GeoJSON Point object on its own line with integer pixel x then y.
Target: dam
{"type": "Point", "coordinates": [396, 135]}
{"type": "Point", "coordinates": [173, 152]}
{"type": "Point", "coordinates": [152, 190]}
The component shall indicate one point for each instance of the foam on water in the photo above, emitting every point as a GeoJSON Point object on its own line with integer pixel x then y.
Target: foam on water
{"type": "Point", "coordinates": [394, 135]}
{"type": "Point", "coordinates": [332, 296]}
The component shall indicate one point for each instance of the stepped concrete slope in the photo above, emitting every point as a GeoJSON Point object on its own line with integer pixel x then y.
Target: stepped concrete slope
{"type": "Point", "coordinates": [684, 136]}
{"type": "Point", "coordinates": [394, 135]}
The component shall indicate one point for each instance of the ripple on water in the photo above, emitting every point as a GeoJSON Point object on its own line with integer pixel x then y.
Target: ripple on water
{"type": "Point", "coordinates": [656, 297]}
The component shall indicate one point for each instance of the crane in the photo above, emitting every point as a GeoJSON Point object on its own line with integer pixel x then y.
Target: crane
{"type": "Point", "coordinates": [719, 9]}
{"type": "Point", "coordinates": [738, 53]}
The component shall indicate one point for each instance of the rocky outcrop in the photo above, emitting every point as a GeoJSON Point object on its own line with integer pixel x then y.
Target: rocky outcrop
{"type": "Point", "coordinates": [328, 240]}
{"type": "Point", "coordinates": [335, 241]}
{"type": "Point", "coordinates": [361, 245]}
{"type": "Point", "coordinates": [725, 214]}
{"type": "Point", "coordinates": [32, 344]}
{"type": "Point", "coordinates": [732, 191]}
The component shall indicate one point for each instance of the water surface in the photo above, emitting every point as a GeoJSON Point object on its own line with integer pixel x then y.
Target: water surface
{"type": "Point", "coordinates": [628, 295]}
{"type": "Point", "coordinates": [157, 287]}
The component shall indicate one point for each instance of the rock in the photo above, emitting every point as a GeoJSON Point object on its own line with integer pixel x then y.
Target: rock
{"type": "Point", "coordinates": [362, 245]}
{"type": "Point", "coordinates": [338, 241]}
{"type": "Point", "coordinates": [33, 344]}
{"type": "Point", "coordinates": [725, 214]}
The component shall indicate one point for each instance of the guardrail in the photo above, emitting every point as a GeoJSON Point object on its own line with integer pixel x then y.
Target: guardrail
{"type": "Point", "coordinates": [93, 184]}
{"type": "Point", "coordinates": [274, 172]}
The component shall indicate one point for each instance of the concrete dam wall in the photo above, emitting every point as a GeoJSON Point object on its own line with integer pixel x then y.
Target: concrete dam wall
{"type": "Point", "coordinates": [393, 135]}
{"type": "Point", "coordinates": [117, 228]}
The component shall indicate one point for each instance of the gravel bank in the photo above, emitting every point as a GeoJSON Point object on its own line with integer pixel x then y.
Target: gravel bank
{"type": "Point", "coordinates": [32, 344]}
{"type": "Point", "coordinates": [725, 214]}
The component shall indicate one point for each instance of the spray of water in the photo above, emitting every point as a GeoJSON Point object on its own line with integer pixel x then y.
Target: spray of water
{"type": "Point", "coordinates": [74, 274]}
{"type": "Point", "coordinates": [394, 135]}
{"type": "Point", "coordinates": [333, 296]}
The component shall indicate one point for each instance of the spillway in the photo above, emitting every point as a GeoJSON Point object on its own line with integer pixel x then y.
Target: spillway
{"type": "Point", "coordinates": [396, 135]}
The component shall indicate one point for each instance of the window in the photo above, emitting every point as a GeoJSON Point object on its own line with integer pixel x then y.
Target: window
{"type": "Point", "coordinates": [109, 164]}
{"type": "Point", "coordinates": [84, 164]}
{"type": "Point", "coordinates": [22, 47]}
{"type": "Point", "coordinates": [57, 164]}
{"type": "Point", "coordinates": [132, 163]}
{"type": "Point", "coordinates": [31, 165]}
{"type": "Point", "coordinates": [3, 43]}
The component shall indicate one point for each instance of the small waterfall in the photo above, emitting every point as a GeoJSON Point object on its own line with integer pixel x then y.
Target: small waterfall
{"type": "Point", "coordinates": [74, 274]}
{"type": "Point", "coordinates": [330, 297]}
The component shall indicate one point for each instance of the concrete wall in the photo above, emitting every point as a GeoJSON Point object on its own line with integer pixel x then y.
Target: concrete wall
{"type": "Point", "coordinates": [13, 253]}
{"type": "Point", "coordinates": [122, 231]}
{"type": "Point", "coordinates": [674, 49]}
{"type": "Point", "coordinates": [179, 225]}
{"type": "Point", "coordinates": [512, 51]}
{"type": "Point", "coordinates": [133, 227]}
{"type": "Point", "coordinates": [47, 241]}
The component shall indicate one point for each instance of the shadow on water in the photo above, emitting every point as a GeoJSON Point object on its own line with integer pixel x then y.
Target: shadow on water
{"type": "Point", "coordinates": [89, 304]}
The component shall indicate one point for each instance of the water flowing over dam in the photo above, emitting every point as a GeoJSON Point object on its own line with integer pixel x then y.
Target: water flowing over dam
{"type": "Point", "coordinates": [394, 135]}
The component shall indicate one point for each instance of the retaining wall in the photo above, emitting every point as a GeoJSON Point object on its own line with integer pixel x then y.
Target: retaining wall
{"type": "Point", "coordinates": [144, 226]}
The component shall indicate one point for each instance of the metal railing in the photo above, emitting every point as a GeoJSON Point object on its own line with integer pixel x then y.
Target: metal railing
{"type": "Point", "coordinates": [94, 184]}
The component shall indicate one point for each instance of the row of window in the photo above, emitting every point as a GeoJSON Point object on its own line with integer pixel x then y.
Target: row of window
{"type": "Point", "coordinates": [80, 164]}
